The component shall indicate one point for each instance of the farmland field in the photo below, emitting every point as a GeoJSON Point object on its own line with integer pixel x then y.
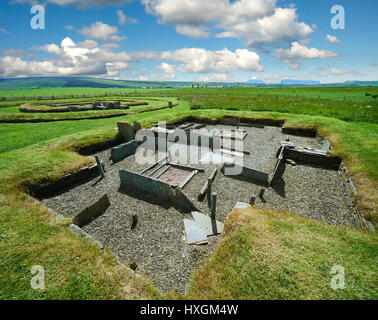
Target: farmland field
{"type": "Point", "coordinates": [256, 242]}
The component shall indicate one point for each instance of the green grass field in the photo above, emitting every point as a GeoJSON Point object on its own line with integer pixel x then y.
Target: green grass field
{"type": "Point", "coordinates": [256, 242]}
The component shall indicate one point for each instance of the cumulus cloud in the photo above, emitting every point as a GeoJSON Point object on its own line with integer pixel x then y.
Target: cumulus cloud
{"type": "Point", "coordinates": [78, 3]}
{"type": "Point", "coordinates": [337, 72]}
{"type": "Point", "coordinates": [197, 32]}
{"type": "Point", "coordinates": [198, 60]}
{"type": "Point", "coordinates": [215, 77]}
{"type": "Point", "coordinates": [256, 22]}
{"type": "Point", "coordinates": [123, 19]}
{"type": "Point", "coordinates": [168, 70]}
{"type": "Point", "coordinates": [298, 51]}
{"type": "Point", "coordinates": [68, 59]}
{"type": "Point", "coordinates": [18, 53]}
{"type": "Point", "coordinates": [101, 31]}
{"type": "Point", "coordinates": [333, 39]}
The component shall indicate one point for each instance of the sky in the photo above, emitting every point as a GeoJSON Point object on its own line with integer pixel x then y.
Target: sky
{"type": "Point", "coordinates": [190, 40]}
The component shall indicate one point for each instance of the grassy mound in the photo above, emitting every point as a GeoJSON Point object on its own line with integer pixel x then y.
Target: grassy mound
{"type": "Point", "coordinates": [266, 255]}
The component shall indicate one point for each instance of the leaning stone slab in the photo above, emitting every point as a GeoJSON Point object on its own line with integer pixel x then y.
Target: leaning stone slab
{"type": "Point", "coordinates": [208, 225]}
{"type": "Point", "coordinates": [91, 212]}
{"type": "Point", "coordinates": [126, 130]}
{"type": "Point", "coordinates": [124, 151]}
{"type": "Point", "coordinates": [182, 202]}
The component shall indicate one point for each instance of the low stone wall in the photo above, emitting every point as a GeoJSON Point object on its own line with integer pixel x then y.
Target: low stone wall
{"type": "Point", "coordinates": [303, 132]}
{"type": "Point", "coordinates": [67, 181]}
{"type": "Point", "coordinates": [158, 189]}
{"type": "Point", "coordinates": [248, 173]}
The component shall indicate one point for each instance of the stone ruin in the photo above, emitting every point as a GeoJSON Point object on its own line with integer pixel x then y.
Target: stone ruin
{"type": "Point", "coordinates": [168, 215]}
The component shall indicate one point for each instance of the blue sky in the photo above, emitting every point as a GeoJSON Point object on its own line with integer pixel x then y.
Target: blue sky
{"type": "Point", "coordinates": [196, 40]}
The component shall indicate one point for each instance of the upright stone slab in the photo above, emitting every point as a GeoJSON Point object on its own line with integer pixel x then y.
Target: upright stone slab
{"type": "Point", "coordinates": [99, 165]}
{"type": "Point", "coordinates": [248, 172]}
{"type": "Point", "coordinates": [126, 131]}
{"type": "Point", "coordinates": [137, 126]}
{"type": "Point", "coordinates": [124, 151]}
{"type": "Point", "coordinates": [157, 189]}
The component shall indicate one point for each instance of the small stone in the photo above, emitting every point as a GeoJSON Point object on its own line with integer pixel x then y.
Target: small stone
{"type": "Point", "coordinates": [291, 162]}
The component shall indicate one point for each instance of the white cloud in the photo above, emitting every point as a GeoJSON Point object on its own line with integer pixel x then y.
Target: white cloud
{"type": "Point", "coordinates": [197, 60]}
{"type": "Point", "coordinates": [298, 51]}
{"type": "Point", "coordinates": [123, 19]}
{"type": "Point", "coordinates": [78, 3]}
{"type": "Point", "coordinates": [111, 45]}
{"type": "Point", "coordinates": [18, 53]}
{"type": "Point", "coordinates": [69, 27]}
{"type": "Point", "coordinates": [215, 77]}
{"type": "Point", "coordinates": [89, 44]}
{"type": "Point", "coordinates": [333, 39]}
{"type": "Point", "coordinates": [101, 31]}
{"type": "Point", "coordinates": [168, 70]}
{"type": "Point", "coordinates": [68, 59]}
{"type": "Point", "coordinates": [192, 31]}
{"type": "Point", "coordinates": [256, 22]}
{"type": "Point", "coordinates": [337, 72]}
{"type": "Point", "coordinates": [3, 31]}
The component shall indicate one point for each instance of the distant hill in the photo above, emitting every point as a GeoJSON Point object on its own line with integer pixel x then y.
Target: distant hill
{"type": "Point", "coordinates": [255, 81]}
{"type": "Point", "coordinates": [83, 82]}
{"type": "Point", "coordinates": [305, 82]}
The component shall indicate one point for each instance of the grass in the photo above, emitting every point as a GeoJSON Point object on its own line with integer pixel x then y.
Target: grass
{"type": "Point", "coordinates": [254, 247]}
{"type": "Point", "coordinates": [267, 255]}
{"type": "Point", "coordinates": [13, 114]}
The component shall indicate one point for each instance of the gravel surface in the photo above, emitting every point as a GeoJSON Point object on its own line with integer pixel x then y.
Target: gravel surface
{"type": "Point", "coordinates": [158, 243]}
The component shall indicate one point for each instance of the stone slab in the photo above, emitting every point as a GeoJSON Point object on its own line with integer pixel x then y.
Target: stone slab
{"type": "Point", "coordinates": [126, 130]}
{"type": "Point", "coordinates": [158, 189]}
{"type": "Point", "coordinates": [92, 212]}
{"type": "Point", "coordinates": [194, 234]}
{"type": "Point", "coordinates": [248, 173]}
{"type": "Point", "coordinates": [312, 157]}
{"type": "Point", "coordinates": [124, 151]}
{"type": "Point", "coordinates": [208, 225]}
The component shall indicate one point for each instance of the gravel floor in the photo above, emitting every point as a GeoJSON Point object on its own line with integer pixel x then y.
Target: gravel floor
{"type": "Point", "coordinates": [158, 244]}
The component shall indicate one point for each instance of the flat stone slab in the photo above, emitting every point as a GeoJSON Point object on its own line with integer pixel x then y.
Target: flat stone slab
{"type": "Point", "coordinates": [194, 234]}
{"type": "Point", "coordinates": [208, 225]}
{"type": "Point", "coordinates": [242, 205]}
